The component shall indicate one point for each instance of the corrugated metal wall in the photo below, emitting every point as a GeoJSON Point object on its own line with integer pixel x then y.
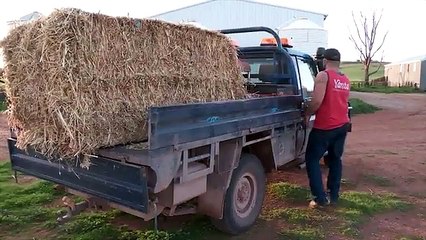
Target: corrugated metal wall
{"type": "Point", "coordinates": [423, 75]}
{"type": "Point", "coordinates": [224, 14]}
{"type": "Point", "coordinates": [306, 40]}
{"type": "Point", "coordinates": [404, 73]}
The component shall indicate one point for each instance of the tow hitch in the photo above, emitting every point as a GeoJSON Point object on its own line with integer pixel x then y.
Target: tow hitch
{"type": "Point", "coordinates": [71, 209]}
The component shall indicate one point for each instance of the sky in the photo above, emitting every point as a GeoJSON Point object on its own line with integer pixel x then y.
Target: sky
{"type": "Point", "coordinates": [403, 20]}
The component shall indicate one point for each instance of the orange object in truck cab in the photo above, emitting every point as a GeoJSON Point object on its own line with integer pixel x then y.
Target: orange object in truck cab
{"type": "Point", "coordinates": [273, 42]}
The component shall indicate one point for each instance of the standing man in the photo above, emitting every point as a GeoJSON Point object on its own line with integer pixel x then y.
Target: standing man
{"type": "Point", "coordinates": [330, 105]}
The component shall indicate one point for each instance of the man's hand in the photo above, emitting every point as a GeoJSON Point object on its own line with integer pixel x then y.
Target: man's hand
{"type": "Point", "coordinates": [306, 119]}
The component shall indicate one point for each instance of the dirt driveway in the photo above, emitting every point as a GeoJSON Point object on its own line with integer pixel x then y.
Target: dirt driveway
{"type": "Point", "coordinates": [391, 144]}
{"type": "Point", "coordinates": [386, 152]}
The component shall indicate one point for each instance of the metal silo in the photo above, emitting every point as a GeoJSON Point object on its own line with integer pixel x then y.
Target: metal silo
{"type": "Point", "coordinates": [305, 35]}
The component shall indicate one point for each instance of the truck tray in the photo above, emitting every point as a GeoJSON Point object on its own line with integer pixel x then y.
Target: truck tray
{"type": "Point", "coordinates": [124, 184]}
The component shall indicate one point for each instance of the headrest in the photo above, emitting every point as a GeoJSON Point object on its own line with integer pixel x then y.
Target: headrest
{"type": "Point", "coordinates": [266, 72]}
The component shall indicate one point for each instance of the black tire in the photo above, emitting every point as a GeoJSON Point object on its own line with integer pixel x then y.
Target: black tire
{"type": "Point", "coordinates": [236, 220]}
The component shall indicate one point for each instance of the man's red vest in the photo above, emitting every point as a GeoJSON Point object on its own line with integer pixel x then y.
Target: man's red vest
{"type": "Point", "coordinates": [333, 112]}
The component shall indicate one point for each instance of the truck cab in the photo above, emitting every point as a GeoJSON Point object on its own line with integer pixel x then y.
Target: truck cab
{"type": "Point", "coordinates": [270, 72]}
{"type": "Point", "coordinates": [275, 68]}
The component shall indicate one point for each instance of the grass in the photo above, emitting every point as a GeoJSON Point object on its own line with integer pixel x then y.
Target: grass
{"type": "Point", "coordinates": [361, 107]}
{"type": "Point", "coordinates": [412, 238]}
{"type": "Point", "coordinates": [299, 215]}
{"type": "Point", "coordinates": [303, 233]}
{"type": "Point", "coordinates": [22, 205]}
{"type": "Point", "coordinates": [353, 209]}
{"type": "Point", "coordinates": [3, 106]}
{"type": "Point", "coordinates": [98, 226]}
{"type": "Point", "coordinates": [289, 192]}
{"type": "Point", "coordinates": [369, 203]}
{"type": "Point", "coordinates": [25, 208]}
{"type": "Point", "coordinates": [356, 207]}
{"type": "Point", "coordinates": [355, 71]}
{"type": "Point", "coordinates": [384, 89]}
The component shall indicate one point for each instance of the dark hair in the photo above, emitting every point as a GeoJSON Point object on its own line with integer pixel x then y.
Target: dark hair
{"type": "Point", "coordinates": [332, 54]}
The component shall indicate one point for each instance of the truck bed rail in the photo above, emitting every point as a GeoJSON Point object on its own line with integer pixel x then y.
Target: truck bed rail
{"type": "Point", "coordinates": [174, 125]}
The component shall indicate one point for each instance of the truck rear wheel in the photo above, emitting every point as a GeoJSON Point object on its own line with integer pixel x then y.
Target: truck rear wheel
{"type": "Point", "coordinates": [244, 197]}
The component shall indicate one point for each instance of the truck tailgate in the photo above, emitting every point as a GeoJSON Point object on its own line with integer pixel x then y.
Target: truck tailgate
{"type": "Point", "coordinates": [108, 179]}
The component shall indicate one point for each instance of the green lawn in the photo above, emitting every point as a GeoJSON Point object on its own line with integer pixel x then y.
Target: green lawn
{"type": "Point", "coordinates": [384, 89]}
{"type": "Point", "coordinates": [3, 106]}
{"type": "Point", "coordinates": [26, 207]}
{"type": "Point", "coordinates": [353, 209]}
{"type": "Point", "coordinates": [355, 71]}
{"type": "Point", "coordinates": [361, 107]}
{"type": "Point", "coordinates": [26, 210]}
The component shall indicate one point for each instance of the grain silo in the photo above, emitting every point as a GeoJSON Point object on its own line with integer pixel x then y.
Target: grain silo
{"type": "Point", "coordinates": [305, 35]}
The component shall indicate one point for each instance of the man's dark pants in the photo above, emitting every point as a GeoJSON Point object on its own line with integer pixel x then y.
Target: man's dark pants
{"type": "Point", "coordinates": [319, 142]}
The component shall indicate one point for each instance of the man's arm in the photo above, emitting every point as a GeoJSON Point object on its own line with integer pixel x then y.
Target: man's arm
{"type": "Point", "coordinates": [318, 93]}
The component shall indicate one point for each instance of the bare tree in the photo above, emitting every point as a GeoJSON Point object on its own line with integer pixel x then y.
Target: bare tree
{"type": "Point", "coordinates": [366, 42]}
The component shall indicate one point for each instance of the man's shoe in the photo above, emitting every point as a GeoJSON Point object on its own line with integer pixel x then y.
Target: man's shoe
{"type": "Point", "coordinates": [332, 202]}
{"type": "Point", "coordinates": [314, 204]}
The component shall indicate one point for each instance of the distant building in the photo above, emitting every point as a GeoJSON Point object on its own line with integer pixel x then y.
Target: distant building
{"type": "Point", "coordinates": [24, 19]}
{"type": "Point", "coordinates": [304, 29]}
{"type": "Point", "coordinates": [410, 71]}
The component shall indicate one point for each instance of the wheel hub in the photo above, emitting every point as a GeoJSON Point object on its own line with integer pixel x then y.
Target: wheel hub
{"type": "Point", "coordinates": [244, 197]}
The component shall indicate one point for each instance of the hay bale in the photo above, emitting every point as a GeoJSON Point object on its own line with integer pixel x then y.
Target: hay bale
{"type": "Point", "coordinates": [79, 81]}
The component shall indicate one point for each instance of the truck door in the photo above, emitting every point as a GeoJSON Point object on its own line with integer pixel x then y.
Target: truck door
{"type": "Point", "coordinates": [306, 86]}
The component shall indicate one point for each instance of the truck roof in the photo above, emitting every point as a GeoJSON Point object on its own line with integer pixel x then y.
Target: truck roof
{"type": "Point", "coordinates": [268, 49]}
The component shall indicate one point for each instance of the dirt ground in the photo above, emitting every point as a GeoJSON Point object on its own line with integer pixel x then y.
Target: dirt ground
{"type": "Point", "coordinates": [385, 152]}
{"type": "Point", "coordinates": [389, 144]}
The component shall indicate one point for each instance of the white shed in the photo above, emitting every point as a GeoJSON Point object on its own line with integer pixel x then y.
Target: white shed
{"type": "Point", "coordinates": [305, 35]}
{"type": "Point", "coordinates": [225, 14]}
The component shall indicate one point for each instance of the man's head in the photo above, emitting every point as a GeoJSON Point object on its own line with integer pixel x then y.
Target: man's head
{"type": "Point", "coordinates": [331, 58]}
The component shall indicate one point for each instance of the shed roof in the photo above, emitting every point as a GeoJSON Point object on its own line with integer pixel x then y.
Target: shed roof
{"type": "Point", "coordinates": [246, 1]}
{"type": "Point", "coordinates": [420, 58]}
{"type": "Point", "coordinates": [31, 16]}
{"type": "Point", "coordinates": [27, 18]}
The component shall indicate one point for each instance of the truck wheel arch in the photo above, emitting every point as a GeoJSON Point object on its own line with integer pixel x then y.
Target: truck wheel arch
{"type": "Point", "coordinates": [211, 203]}
{"type": "Point", "coordinates": [263, 151]}
{"type": "Point", "coordinates": [244, 196]}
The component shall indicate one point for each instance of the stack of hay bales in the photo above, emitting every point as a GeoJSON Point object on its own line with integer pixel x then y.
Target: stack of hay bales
{"type": "Point", "coordinates": [79, 81]}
